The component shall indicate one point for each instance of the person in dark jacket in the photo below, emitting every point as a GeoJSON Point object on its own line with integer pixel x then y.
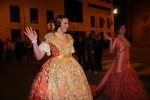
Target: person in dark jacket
{"type": "Point", "coordinates": [98, 52]}
{"type": "Point", "coordinates": [80, 50]}
{"type": "Point", "coordinates": [19, 49]}
{"type": "Point", "coordinates": [89, 50]}
{"type": "Point", "coordinates": [9, 48]}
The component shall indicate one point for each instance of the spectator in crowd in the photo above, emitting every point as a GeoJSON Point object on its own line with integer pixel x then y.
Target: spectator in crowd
{"type": "Point", "coordinates": [80, 51]}
{"type": "Point", "coordinates": [98, 52]}
{"type": "Point", "coordinates": [29, 49]}
{"type": "Point", "coordinates": [89, 50]}
{"type": "Point", "coordinates": [9, 48]}
{"type": "Point", "coordinates": [19, 49]}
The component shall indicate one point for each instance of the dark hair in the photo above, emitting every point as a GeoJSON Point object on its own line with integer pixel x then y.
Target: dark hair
{"type": "Point", "coordinates": [92, 31]}
{"type": "Point", "coordinates": [57, 21]}
{"type": "Point", "coordinates": [119, 25]}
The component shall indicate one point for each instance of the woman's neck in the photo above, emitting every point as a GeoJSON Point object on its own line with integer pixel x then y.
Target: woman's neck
{"type": "Point", "coordinates": [60, 33]}
{"type": "Point", "coordinates": [121, 35]}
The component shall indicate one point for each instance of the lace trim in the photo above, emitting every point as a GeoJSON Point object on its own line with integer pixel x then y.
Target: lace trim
{"type": "Point", "coordinates": [45, 47]}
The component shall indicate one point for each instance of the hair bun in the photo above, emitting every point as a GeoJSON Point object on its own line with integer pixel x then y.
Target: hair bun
{"type": "Point", "coordinates": [57, 21]}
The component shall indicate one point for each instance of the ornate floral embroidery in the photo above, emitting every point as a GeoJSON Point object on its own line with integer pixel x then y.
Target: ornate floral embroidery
{"type": "Point", "coordinates": [60, 78]}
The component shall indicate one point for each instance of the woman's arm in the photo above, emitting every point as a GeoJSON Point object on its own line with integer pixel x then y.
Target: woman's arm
{"type": "Point", "coordinates": [33, 37]}
{"type": "Point", "coordinates": [38, 54]}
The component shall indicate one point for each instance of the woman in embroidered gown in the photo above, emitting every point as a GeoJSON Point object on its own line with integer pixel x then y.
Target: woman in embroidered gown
{"type": "Point", "coordinates": [61, 77]}
{"type": "Point", "coordinates": [121, 81]}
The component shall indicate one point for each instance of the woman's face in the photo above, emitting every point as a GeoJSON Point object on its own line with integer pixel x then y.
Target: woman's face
{"type": "Point", "coordinates": [122, 29]}
{"type": "Point", "coordinates": [64, 25]}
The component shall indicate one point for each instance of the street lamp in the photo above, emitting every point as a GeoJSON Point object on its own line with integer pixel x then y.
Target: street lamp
{"type": "Point", "coordinates": [115, 12]}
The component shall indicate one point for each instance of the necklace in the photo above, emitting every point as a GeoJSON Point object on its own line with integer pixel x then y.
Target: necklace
{"type": "Point", "coordinates": [62, 37]}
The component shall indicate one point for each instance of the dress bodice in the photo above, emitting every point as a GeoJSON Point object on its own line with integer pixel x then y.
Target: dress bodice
{"type": "Point", "coordinates": [57, 47]}
{"type": "Point", "coordinates": [122, 58]}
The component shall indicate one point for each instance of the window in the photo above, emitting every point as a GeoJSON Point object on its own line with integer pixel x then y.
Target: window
{"type": "Point", "coordinates": [33, 15]}
{"type": "Point", "coordinates": [92, 21]}
{"type": "Point", "coordinates": [50, 16]}
{"type": "Point", "coordinates": [73, 10]}
{"type": "Point", "coordinates": [108, 23]}
{"type": "Point", "coordinates": [14, 14]}
{"type": "Point", "coordinates": [101, 22]}
{"type": "Point", "coordinates": [15, 34]}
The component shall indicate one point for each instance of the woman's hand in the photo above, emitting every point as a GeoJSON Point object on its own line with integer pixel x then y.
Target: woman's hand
{"type": "Point", "coordinates": [30, 33]}
{"type": "Point", "coordinates": [107, 37]}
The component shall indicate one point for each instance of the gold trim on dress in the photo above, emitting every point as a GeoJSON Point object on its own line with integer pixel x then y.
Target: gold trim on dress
{"type": "Point", "coordinates": [62, 56]}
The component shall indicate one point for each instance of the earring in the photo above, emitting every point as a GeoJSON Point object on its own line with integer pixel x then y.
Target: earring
{"type": "Point", "coordinates": [58, 30]}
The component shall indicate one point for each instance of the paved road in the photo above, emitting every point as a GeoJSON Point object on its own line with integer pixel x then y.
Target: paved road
{"type": "Point", "coordinates": [17, 77]}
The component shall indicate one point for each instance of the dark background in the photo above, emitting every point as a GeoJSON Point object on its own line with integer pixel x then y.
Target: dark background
{"type": "Point", "coordinates": [121, 5]}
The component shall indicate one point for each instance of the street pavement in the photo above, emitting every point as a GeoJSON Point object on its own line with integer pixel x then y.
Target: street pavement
{"type": "Point", "coordinates": [16, 77]}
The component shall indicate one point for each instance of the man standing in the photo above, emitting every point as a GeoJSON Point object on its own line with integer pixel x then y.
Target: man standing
{"type": "Point", "coordinates": [80, 50]}
{"type": "Point", "coordinates": [89, 50]}
{"type": "Point", "coordinates": [19, 49]}
{"type": "Point", "coordinates": [9, 48]}
{"type": "Point", "coordinates": [98, 52]}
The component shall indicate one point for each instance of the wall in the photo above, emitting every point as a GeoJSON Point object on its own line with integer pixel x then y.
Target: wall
{"type": "Point", "coordinates": [54, 5]}
{"type": "Point", "coordinates": [139, 21]}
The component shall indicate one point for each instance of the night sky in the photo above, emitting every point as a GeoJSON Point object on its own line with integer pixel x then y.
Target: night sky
{"type": "Point", "coordinates": [121, 5]}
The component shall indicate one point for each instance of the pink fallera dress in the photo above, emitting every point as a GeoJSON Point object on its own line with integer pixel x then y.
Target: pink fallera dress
{"type": "Point", "coordinates": [121, 81]}
{"type": "Point", "coordinates": [61, 77]}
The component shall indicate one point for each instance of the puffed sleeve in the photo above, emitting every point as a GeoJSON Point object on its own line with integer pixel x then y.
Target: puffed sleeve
{"type": "Point", "coordinates": [72, 50]}
{"type": "Point", "coordinates": [45, 47]}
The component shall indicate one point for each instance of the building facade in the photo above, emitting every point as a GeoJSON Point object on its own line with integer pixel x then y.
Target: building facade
{"type": "Point", "coordinates": [139, 21]}
{"type": "Point", "coordinates": [94, 15]}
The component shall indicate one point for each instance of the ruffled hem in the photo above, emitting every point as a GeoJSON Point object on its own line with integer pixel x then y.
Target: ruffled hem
{"type": "Point", "coordinates": [125, 86]}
